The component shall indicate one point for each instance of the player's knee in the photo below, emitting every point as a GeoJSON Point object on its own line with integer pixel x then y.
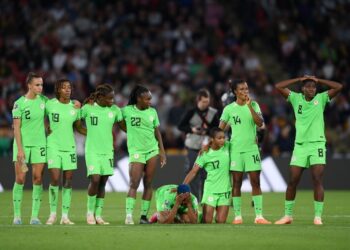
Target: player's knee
{"type": "Point", "coordinates": [67, 183]}
{"type": "Point", "coordinates": [133, 184]}
{"type": "Point", "coordinates": [37, 179]}
{"type": "Point", "coordinates": [237, 184]}
{"type": "Point", "coordinates": [54, 182]}
{"type": "Point", "coordinates": [20, 180]}
{"type": "Point", "coordinates": [255, 183]}
{"type": "Point", "coordinates": [147, 184]}
{"type": "Point", "coordinates": [95, 181]}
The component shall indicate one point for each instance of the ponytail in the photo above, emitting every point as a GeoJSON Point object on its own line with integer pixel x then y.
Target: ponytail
{"type": "Point", "coordinates": [137, 91]}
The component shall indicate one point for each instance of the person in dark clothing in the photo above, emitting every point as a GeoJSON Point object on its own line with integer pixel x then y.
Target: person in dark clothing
{"type": "Point", "coordinates": [196, 123]}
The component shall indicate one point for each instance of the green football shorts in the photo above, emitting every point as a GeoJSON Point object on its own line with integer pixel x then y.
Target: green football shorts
{"type": "Point", "coordinates": [142, 158]}
{"type": "Point", "coordinates": [308, 154]}
{"type": "Point", "coordinates": [33, 154]}
{"type": "Point", "coordinates": [100, 164]}
{"type": "Point", "coordinates": [64, 160]}
{"type": "Point", "coordinates": [245, 161]}
{"type": "Point", "coordinates": [217, 200]}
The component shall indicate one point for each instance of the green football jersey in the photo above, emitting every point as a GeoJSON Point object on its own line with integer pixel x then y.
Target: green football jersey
{"type": "Point", "coordinates": [140, 126]}
{"type": "Point", "coordinates": [99, 123]}
{"type": "Point", "coordinates": [217, 165]}
{"type": "Point", "coordinates": [309, 116]}
{"type": "Point", "coordinates": [166, 198]}
{"type": "Point", "coordinates": [61, 117]}
{"type": "Point", "coordinates": [31, 112]}
{"type": "Point", "coordinates": [243, 127]}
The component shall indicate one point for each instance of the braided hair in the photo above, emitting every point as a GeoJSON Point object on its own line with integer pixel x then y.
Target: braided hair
{"type": "Point", "coordinates": [136, 92]}
{"type": "Point", "coordinates": [101, 90]}
{"type": "Point", "coordinates": [59, 84]}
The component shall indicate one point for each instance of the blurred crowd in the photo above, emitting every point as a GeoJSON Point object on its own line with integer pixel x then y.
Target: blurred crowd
{"type": "Point", "coordinates": [176, 48]}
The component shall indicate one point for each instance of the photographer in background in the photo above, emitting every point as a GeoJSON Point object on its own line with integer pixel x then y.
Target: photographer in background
{"type": "Point", "coordinates": [196, 123]}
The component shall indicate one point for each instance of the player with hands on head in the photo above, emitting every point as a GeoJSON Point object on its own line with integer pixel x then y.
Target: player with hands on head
{"type": "Point", "coordinates": [243, 116]}
{"type": "Point", "coordinates": [175, 204]}
{"type": "Point", "coordinates": [310, 141]}
{"type": "Point", "coordinates": [215, 160]}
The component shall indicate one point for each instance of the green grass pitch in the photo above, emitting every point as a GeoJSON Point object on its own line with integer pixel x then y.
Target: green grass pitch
{"type": "Point", "coordinates": [302, 234]}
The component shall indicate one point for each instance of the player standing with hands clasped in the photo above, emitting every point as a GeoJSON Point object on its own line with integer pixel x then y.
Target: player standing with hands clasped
{"type": "Point", "coordinates": [310, 141]}
{"type": "Point", "coordinates": [215, 160]}
{"type": "Point", "coordinates": [243, 115]}
{"type": "Point", "coordinates": [144, 145]}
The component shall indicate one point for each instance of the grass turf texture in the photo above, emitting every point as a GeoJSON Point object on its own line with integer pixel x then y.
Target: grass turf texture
{"type": "Point", "coordinates": [302, 234]}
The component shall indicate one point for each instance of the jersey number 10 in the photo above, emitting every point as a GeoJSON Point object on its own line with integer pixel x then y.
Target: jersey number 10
{"type": "Point", "coordinates": [94, 120]}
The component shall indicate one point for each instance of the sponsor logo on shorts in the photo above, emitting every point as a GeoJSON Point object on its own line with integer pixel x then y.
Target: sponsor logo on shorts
{"type": "Point", "coordinates": [50, 161]}
{"type": "Point", "coordinates": [233, 164]}
{"type": "Point", "coordinates": [91, 168]}
{"type": "Point", "coordinates": [110, 115]}
{"type": "Point", "coordinates": [136, 156]}
{"type": "Point", "coordinates": [210, 198]}
{"type": "Point", "coordinates": [151, 118]}
{"type": "Point", "coordinates": [42, 106]}
{"type": "Point", "coordinates": [294, 158]}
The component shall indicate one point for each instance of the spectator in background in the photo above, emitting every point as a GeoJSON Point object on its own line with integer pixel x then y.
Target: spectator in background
{"type": "Point", "coordinates": [196, 123]}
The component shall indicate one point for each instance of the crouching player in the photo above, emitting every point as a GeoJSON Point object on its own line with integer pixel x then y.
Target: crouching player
{"type": "Point", "coordinates": [215, 160]}
{"type": "Point", "coordinates": [175, 204]}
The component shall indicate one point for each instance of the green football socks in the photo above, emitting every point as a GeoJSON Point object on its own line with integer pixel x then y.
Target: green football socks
{"type": "Point", "coordinates": [99, 207]}
{"type": "Point", "coordinates": [145, 205]}
{"type": "Point", "coordinates": [17, 194]}
{"type": "Point", "coordinates": [258, 201]}
{"type": "Point", "coordinates": [318, 208]}
{"type": "Point", "coordinates": [288, 208]}
{"type": "Point", "coordinates": [130, 204]}
{"type": "Point", "coordinates": [237, 203]}
{"type": "Point", "coordinates": [36, 199]}
{"type": "Point", "coordinates": [91, 204]}
{"type": "Point", "coordinates": [66, 200]}
{"type": "Point", "coordinates": [53, 198]}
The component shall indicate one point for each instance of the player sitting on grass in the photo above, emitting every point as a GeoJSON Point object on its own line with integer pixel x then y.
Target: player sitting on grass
{"type": "Point", "coordinates": [215, 160]}
{"type": "Point", "coordinates": [175, 204]}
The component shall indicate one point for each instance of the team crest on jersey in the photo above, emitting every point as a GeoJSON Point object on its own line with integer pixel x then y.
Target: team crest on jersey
{"type": "Point", "coordinates": [42, 105]}
{"type": "Point", "coordinates": [315, 102]}
{"type": "Point", "coordinates": [166, 204]}
{"type": "Point", "coordinates": [233, 164]}
{"type": "Point", "coordinates": [72, 112]}
{"type": "Point", "coordinates": [136, 156]}
{"type": "Point", "coordinates": [210, 198]}
{"type": "Point", "coordinates": [110, 115]}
